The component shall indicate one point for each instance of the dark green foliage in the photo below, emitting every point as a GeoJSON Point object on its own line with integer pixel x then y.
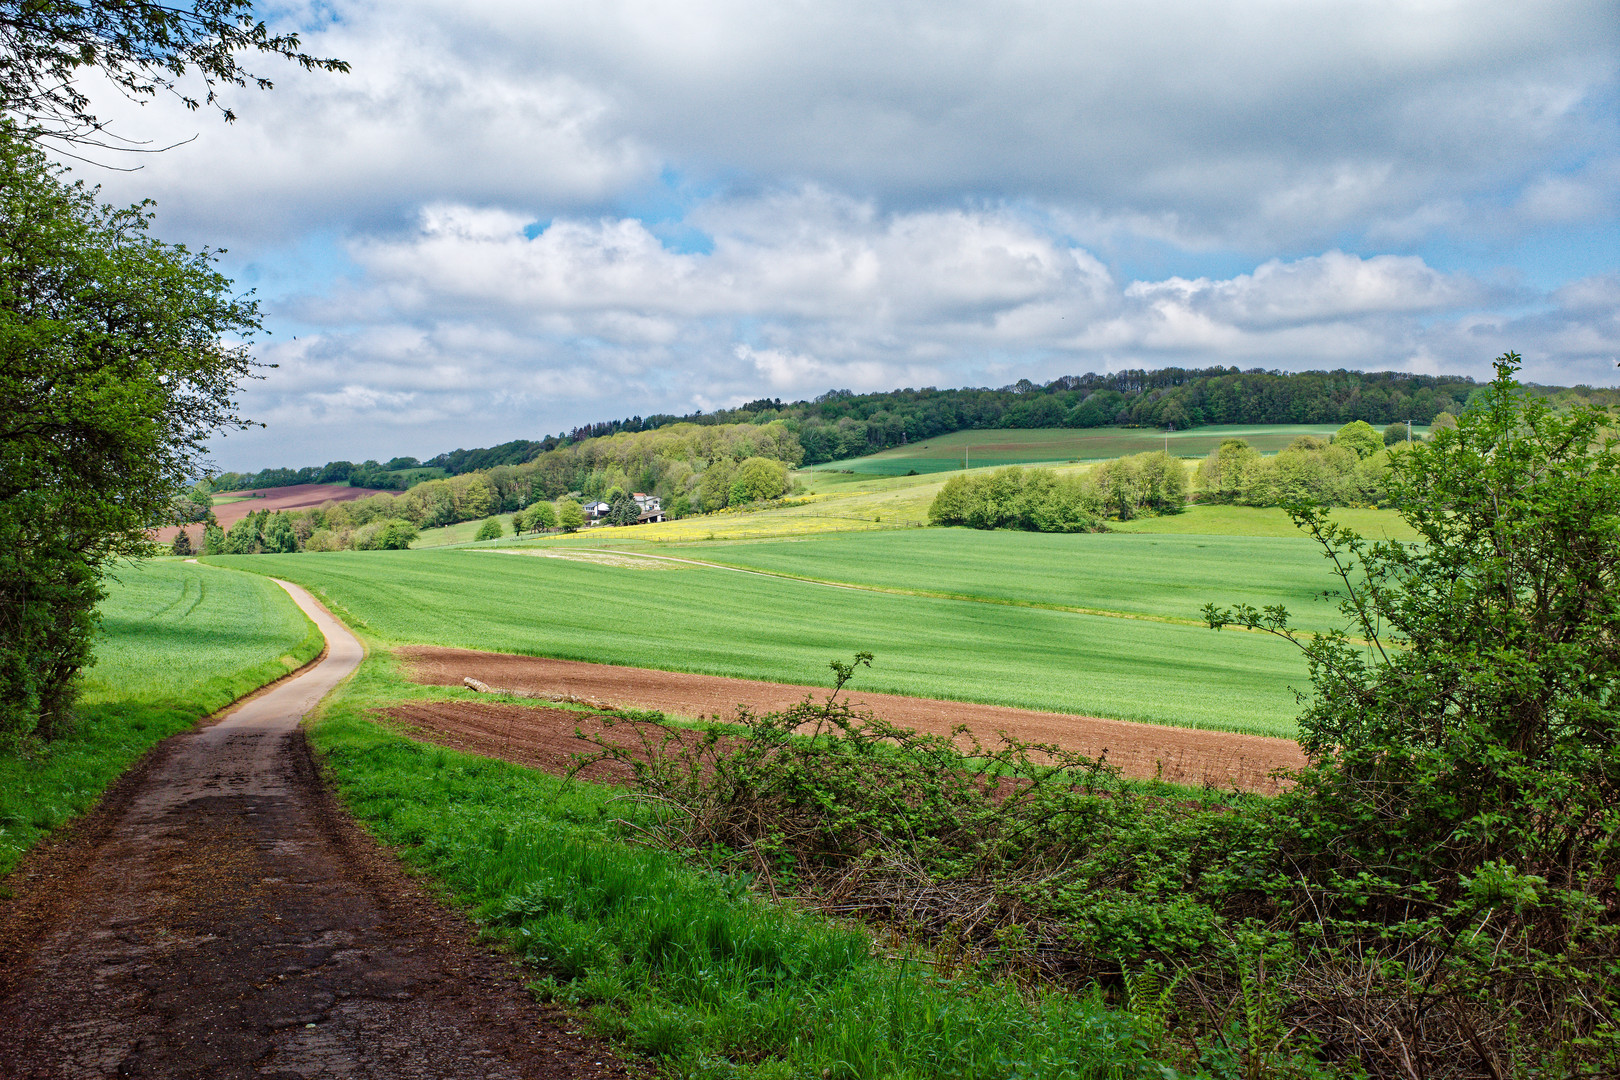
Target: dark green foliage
{"type": "Point", "coordinates": [181, 544]}
{"type": "Point", "coordinates": [243, 537]}
{"type": "Point", "coordinates": [1359, 436]}
{"type": "Point", "coordinates": [622, 509]}
{"type": "Point", "coordinates": [113, 376]}
{"type": "Point", "coordinates": [278, 537]}
{"type": "Point", "coordinates": [1435, 897]}
{"type": "Point", "coordinates": [1039, 500]}
{"type": "Point", "coordinates": [1350, 472]}
{"type": "Point", "coordinates": [1015, 498]}
{"type": "Point", "coordinates": [394, 534]}
{"type": "Point", "coordinates": [1458, 825]}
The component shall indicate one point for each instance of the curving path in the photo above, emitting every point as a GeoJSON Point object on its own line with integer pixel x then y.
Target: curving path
{"type": "Point", "coordinates": [218, 916]}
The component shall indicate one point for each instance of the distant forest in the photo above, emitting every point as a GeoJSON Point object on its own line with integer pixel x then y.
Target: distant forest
{"type": "Point", "coordinates": [842, 424]}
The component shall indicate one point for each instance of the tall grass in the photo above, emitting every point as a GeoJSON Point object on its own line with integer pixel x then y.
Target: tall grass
{"type": "Point", "coordinates": [179, 641]}
{"type": "Point", "coordinates": [684, 964]}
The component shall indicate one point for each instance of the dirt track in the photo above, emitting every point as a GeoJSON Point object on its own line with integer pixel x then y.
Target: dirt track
{"type": "Point", "coordinates": [1182, 755]}
{"type": "Point", "coordinates": [220, 917]}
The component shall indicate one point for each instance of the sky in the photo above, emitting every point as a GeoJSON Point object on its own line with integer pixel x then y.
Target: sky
{"type": "Point", "coordinates": [512, 217]}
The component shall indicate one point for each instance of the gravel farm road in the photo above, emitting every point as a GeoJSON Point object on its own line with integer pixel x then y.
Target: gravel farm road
{"type": "Point", "coordinates": [220, 916]}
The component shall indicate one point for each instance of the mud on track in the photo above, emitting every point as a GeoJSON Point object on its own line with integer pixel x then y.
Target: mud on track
{"type": "Point", "coordinates": [1182, 755]}
{"type": "Point", "coordinates": [220, 916]}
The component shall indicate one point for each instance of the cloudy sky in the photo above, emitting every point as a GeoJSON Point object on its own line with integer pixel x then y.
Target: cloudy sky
{"type": "Point", "coordinates": [513, 217]}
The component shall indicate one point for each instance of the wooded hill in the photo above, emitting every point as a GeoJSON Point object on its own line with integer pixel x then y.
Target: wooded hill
{"type": "Point", "coordinates": [842, 424]}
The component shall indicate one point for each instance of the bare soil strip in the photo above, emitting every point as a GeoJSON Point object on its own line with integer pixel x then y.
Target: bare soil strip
{"type": "Point", "coordinates": [1181, 755]}
{"type": "Point", "coordinates": [219, 916]}
{"type": "Point", "coordinates": [542, 739]}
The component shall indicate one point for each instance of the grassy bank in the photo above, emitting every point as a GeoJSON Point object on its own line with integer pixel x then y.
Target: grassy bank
{"type": "Point", "coordinates": [179, 641]}
{"type": "Point", "coordinates": [683, 964]}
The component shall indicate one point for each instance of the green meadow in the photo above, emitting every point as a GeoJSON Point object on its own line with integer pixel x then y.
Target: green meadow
{"type": "Point", "coordinates": [583, 605]}
{"type": "Point", "coordinates": [1028, 446]}
{"type": "Point", "coordinates": [178, 641]}
{"type": "Point", "coordinates": [1167, 577]}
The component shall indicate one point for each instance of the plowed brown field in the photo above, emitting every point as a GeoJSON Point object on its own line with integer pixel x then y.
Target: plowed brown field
{"type": "Point", "coordinates": [295, 497]}
{"type": "Point", "coordinates": [1181, 755]}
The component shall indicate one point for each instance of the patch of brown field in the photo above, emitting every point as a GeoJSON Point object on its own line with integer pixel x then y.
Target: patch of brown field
{"type": "Point", "coordinates": [292, 497]}
{"type": "Point", "coordinates": [540, 738]}
{"type": "Point", "coordinates": [1181, 755]}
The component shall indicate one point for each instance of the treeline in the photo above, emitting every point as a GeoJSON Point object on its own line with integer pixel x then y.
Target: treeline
{"type": "Point", "coordinates": [362, 525]}
{"type": "Point", "coordinates": [842, 424]}
{"type": "Point", "coordinates": [692, 469]}
{"type": "Point", "coordinates": [367, 474]}
{"type": "Point", "coordinates": [1041, 500]}
{"type": "Point", "coordinates": [1350, 470]}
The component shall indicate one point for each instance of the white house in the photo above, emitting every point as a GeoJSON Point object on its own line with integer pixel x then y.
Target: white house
{"type": "Point", "coordinates": [651, 509]}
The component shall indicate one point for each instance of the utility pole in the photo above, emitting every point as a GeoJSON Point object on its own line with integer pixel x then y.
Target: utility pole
{"type": "Point", "coordinates": [1409, 430]}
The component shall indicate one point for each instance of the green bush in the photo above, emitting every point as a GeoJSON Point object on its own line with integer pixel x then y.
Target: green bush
{"type": "Point", "coordinates": [490, 530]}
{"type": "Point", "coordinates": [392, 535]}
{"type": "Point", "coordinates": [1016, 498]}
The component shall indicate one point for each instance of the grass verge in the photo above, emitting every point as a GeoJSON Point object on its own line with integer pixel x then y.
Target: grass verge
{"type": "Point", "coordinates": [681, 963]}
{"type": "Point", "coordinates": [179, 641]}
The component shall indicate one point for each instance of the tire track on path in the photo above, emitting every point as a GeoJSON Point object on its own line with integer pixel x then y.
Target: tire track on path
{"type": "Point", "coordinates": [219, 916]}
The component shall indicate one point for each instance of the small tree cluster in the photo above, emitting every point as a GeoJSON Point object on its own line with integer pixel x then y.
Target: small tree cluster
{"type": "Point", "coordinates": [1348, 471]}
{"type": "Point", "coordinates": [1040, 500]}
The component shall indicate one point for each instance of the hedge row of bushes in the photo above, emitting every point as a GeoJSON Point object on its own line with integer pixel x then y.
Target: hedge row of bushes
{"type": "Point", "coordinates": [1041, 500]}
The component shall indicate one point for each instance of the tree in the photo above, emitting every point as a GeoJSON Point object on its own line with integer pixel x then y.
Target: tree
{"type": "Point", "coordinates": [489, 530]}
{"type": "Point", "coordinates": [542, 516]}
{"type": "Point", "coordinates": [717, 479]}
{"type": "Point", "coordinates": [141, 46]}
{"type": "Point", "coordinates": [278, 535]}
{"type": "Point", "coordinates": [622, 510]}
{"type": "Point", "coordinates": [243, 537]}
{"type": "Point", "coordinates": [115, 370]}
{"type": "Point", "coordinates": [569, 515]}
{"type": "Point", "coordinates": [1470, 718]}
{"type": "Point", "coordinates": [181, 544]}
{"type": "Point", "coordinates": [1359, 436]}
{"type": "Point", "coordinates": [1224, 475]}
{"type": "Point", "coordinates": [1395, 433]}
{"type": "Point", "coordinates": [758, 478]}
{"type": "Point", "coordinates": [393, 534]}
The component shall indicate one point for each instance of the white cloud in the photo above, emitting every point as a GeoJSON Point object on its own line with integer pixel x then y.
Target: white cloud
{"type": "Point", "coordinates": [1273, 123]}
{"type": "Point", "coordinates": [470, 325]}
{"type": "Point", "coordinates": [469, 230]}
